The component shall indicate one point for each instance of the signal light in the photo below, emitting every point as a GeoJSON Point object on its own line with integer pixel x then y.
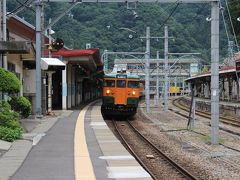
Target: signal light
{"type": "Point", "coordinates": [58, 44]}
{"type": "Point", "coordinates": [108, 91]}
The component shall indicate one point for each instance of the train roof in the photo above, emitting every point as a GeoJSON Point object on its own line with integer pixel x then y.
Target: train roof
{"type": "Point", "coordinates": [114, 75]}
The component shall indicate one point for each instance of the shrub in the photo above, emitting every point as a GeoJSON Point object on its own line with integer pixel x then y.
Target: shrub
{"type": "Point", "coordinates": [9, 82]}
{"type": "Point", "coordinates": [9, 134]}
{"type": "Point", "coordinates": [21, 105]}
{"type": "Point", "coordinates": [8, 118]}
{"type": "Point", "coordinates": [10, 128]}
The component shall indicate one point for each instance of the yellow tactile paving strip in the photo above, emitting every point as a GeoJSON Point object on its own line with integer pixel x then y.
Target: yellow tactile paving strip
{"type": "Point", "coordinates": [82, 161]}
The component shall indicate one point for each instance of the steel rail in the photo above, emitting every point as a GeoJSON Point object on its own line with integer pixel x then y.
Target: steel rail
{"type": "Point", "coordinates": [180, 169]}
{"type": "Point", "coordinates": [132, 151]}
{"type": "Point", "coordinates": [207, 115]}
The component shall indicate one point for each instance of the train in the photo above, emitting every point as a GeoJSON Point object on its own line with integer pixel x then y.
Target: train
{"type": "Point", "coordinates": [120, 95]}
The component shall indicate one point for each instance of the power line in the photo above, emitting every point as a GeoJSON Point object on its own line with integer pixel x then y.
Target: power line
{"type": "Point", "coordinates": [230, 19]}
{"type": "Point", "coordinates": [21, 7]}
{"type": "Point", "coordinates": [164, 22]}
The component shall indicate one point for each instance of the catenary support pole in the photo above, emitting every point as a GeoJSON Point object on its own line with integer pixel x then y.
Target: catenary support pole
{"type": "Point", "coordinates": [38, 110]}
{"type": "Point", "coordinates": [1, 35]}
{"type": "Point", "coordinates": [147, 65]}
{"type": "Point", "coordinates": [165, 68]}
{"type": "Point", "coordinates": [4, 23]}
{"type": "Point", "coordinates": [157, 84]}
{"type": "Point", "coordinates": [215, 73]}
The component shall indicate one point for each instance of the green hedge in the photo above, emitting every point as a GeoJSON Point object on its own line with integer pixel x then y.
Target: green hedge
{"type": "Point", "coordinates": [8, 134]}
{"type": "Point", "coordinates": [10, 128]}
{"type": "Point", "coordinates": [9, 82]}
{"type": "Point", "coordinates": [21, 104]}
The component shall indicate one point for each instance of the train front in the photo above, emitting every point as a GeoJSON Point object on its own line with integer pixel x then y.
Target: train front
{"type": "Point", "coordinates": [120, 95]}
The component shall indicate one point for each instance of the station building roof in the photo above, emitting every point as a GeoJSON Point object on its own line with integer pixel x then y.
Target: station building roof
{"type": "Point", "coordinates": [89, 59]}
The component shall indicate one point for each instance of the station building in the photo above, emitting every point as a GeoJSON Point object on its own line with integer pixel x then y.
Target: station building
{"type": "Point", "coordinates": [78, 82]}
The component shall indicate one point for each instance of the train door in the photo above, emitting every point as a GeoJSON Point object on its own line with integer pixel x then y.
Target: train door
{"type": "Point", "coordinates": [121, 91]}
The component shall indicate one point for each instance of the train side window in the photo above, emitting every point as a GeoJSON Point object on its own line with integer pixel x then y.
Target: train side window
{"type": "Point", "coordinates": [121, 83]}
{"type": "Point", "coordinates": [133, 84]}
{"type": "Point", "coordinates": [109, 83]}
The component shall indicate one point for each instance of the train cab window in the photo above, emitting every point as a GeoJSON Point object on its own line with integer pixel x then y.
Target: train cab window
{"type": "Point", "coordinates": [109, 83]}
{"type": "Point", "coordinates": [121, 83]}
{"type": "Point", "coordinates": [133, 84]}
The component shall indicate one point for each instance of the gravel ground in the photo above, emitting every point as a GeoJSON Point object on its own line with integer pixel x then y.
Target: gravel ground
{"type": "Point", "coordinates": [193, 148]}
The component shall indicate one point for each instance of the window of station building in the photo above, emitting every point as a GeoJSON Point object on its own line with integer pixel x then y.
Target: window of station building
{"type": "Point", "coordinates": [153, 65]}
{"type": "Point", "coordinates": [121, 83]}
{"type": "Point", "coordinates": [140, 66]}
{"type": "Point", "coordinates": [133, 84]}
{"type": "Point", "coordinates": [11, 67]}
{"type": "Point", "coordinates": [131, 66]}
{"type": "Point", "coordinates": [109, 83]}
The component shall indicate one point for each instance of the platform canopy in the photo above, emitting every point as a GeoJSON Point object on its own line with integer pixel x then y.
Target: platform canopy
{"type": "Point", "coordinates": [89, 59]}
{"type": "Point", "coordinates": [52, 64]}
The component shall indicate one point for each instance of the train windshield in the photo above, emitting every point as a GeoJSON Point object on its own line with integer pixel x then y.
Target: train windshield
{"type": "Point", "coordinates": [133, 84]}
{"type": "Point", "coordinates": [109, 83]}
{"type": "Point", "coordinates": [121, 83]}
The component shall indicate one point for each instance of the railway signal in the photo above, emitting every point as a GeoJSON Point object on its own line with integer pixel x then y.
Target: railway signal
{"type": "Point", "coordinates": [58, 44]}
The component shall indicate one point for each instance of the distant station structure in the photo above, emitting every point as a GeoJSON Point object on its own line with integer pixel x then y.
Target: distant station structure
{"type": "Point", "coordinates": [179, 70]}
{"type": "Point", "coordinates": [229, 89]}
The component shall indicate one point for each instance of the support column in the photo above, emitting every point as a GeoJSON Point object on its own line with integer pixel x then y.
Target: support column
{"type": "Point", "coordinates": [38, 58]}
{"type": "Point", "coordinates": [147, 65]}
{"type": "Point", "coordinates": [166, 80]}
{"type": "Point", "coordinates": [215, 73]}
{"type": "Point", "coordinates": [4, 26]}
{"type": "Point", "coordinates": [157, 83]}
{"type": "Point", "coordinates": [64, 88]}
{"type": "Point", "coordinates": [49, 74]}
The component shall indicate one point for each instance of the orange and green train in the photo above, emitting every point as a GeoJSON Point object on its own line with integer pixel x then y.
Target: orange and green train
{"type": "Point", "coordinates": [121, 92]}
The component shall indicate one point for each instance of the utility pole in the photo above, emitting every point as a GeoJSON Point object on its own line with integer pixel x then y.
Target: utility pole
{"type": "Point", "coordinates": [1, 34]}
{"type": "Point", "coordinates": [38, 5]}
{"type": "Point", "coordinates": [166, 68]}
{"type": "Point", "coordinates": [147, 65]}
{"type": "Point", "coordinates": [4, 26]}
{"type": "Point", "coordinates": [215, 73]}
{"type": "Point", "coordinates": [157, 84]}
{"type": "Point", "coordinates": [105, 61]}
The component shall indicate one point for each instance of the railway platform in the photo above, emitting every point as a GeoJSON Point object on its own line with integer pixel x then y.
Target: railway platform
{"type": "Point", "coordinates": [74, 144]}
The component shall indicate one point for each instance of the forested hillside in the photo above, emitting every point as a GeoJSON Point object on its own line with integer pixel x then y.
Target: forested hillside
{"type": "Point", "coordinates": [101, 25]}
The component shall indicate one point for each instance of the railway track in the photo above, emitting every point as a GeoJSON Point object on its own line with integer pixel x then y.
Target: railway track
{"type": "Point", "coordinates": [151, 157]}
{"type": "Point", "coordinates": [226, 120]}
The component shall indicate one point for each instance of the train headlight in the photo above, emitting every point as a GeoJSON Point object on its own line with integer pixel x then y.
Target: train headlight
{"type": "Point", "coordinates": [108, 91]}
{"type": "Point", "coordinates": [134, 92]}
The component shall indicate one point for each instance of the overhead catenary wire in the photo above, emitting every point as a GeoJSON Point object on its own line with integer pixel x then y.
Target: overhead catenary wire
{"type": "Point", "coordinates": [230, 19]}
{"type": "Point", "coordinates": [224, 22]}
{"type": "Point", "coordinates": [235, 38]}
{"type": "Point", "coordinates": [170, 15]}
{"type": "Point", "coordinates": [21, 7]}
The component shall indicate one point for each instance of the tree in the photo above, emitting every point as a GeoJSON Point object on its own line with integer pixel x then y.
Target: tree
{"type": "Point", "coordinates": [8, 82]}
